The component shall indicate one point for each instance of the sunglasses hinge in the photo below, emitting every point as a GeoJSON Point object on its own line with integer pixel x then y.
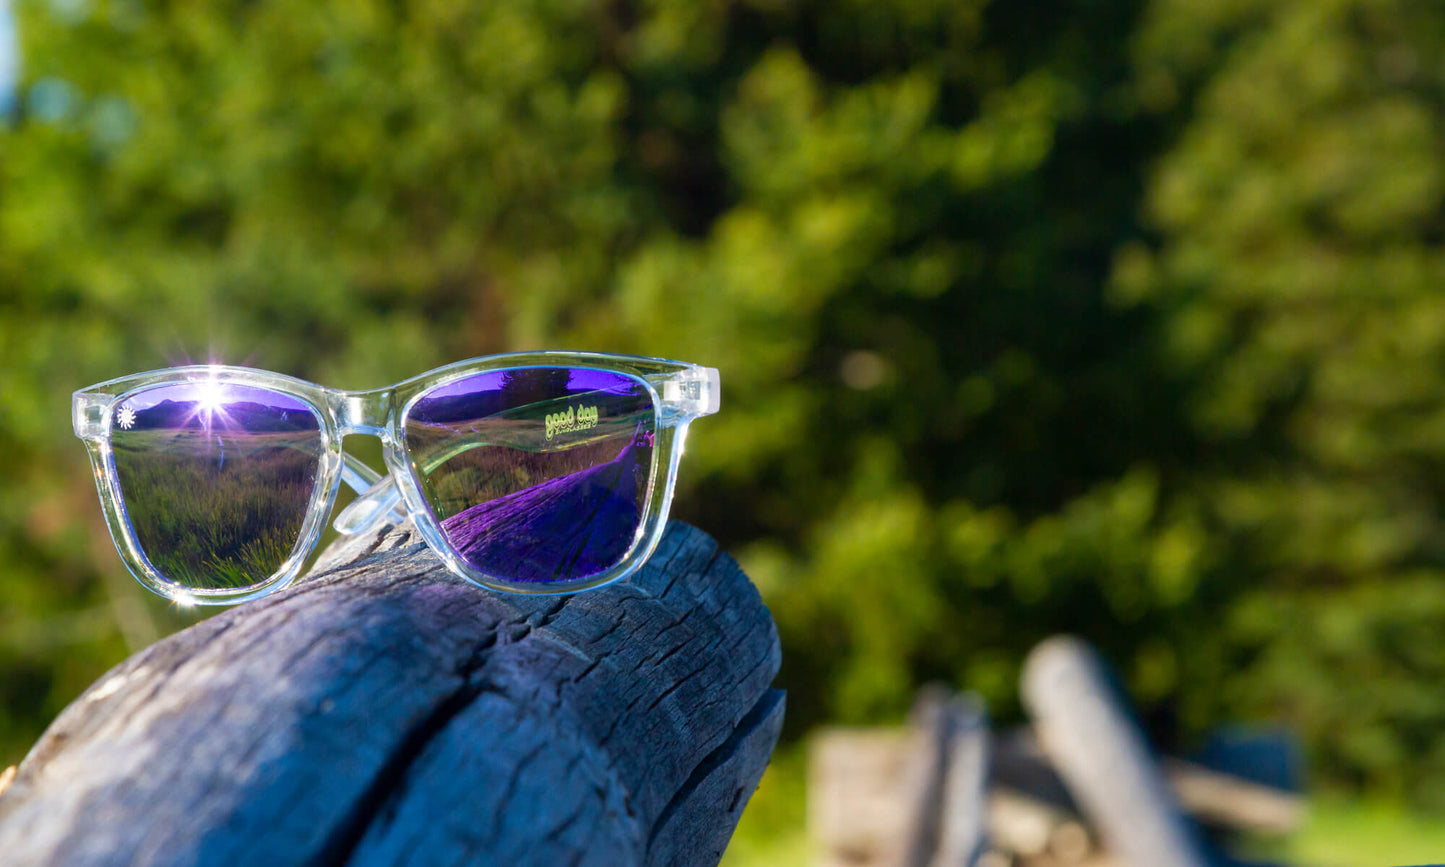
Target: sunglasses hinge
{"type": "Point", "coordinates": [88, 414]}
{"type": "Point", "coordinates": [688, 393]}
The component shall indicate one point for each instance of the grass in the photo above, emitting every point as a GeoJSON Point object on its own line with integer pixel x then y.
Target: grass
{"type": "Point", "coordinates": [212, 523]}
{"type": "Point", "coordinates": [1369, 833]}
{"type": "Point", "coordinates": [773, 829]}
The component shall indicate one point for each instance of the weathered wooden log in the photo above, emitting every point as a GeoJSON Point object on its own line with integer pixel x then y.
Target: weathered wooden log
{"type": "Point", "coordinates": [964, 813]}
{"type": "Point", "coordinates": [1103, 757]}
{"type": "Point", "coordinates": [925, 772]}
{"type": "Point", "coordinates": [1229, 803]}
{"type": "Point", "coordinates": [915, 797]}
{"type": "Point", "coordinates": [945, 781]}
{"type": "Point", "coordinates": [857, 812]}
{"type": "Point", "coordinates": [385, 712]}
{"type": "Point", "coordinates": [1218, 800]}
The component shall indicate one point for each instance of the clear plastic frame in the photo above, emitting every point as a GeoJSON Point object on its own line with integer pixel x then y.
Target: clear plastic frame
{"type": "Point", "coordinates": [668, 395]}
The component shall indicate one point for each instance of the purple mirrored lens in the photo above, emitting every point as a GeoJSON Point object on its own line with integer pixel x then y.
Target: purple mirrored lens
{"type": "Point", "coordinates": [217, 479]}
{"type": "Point", "coordinates": [537, 474]}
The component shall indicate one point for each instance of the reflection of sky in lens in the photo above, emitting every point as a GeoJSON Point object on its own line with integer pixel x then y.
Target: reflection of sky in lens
{"type": "Point", "coordinates": [213, 405]}
{"type": "Point", "coordinates": [578, 379]}
{"type": "Point", "coordinates": [9, 57]}
{"type": "Point", "coordinates": [214, 394]}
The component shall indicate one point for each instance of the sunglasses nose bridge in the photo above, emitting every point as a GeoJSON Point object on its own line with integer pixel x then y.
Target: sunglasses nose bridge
{"type": "Point", "coordinates": [363, 412]}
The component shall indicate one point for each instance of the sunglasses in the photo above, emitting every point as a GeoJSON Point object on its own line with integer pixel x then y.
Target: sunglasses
{"type": "Point", "coordinates": [547, 472]}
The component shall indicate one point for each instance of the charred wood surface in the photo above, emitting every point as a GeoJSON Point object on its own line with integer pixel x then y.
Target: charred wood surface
{"type": "Point", "coordinates": [383, 711]}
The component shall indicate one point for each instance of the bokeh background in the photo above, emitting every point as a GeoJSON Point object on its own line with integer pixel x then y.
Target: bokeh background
{"type": "Point", "coordinates": [1117, 317]}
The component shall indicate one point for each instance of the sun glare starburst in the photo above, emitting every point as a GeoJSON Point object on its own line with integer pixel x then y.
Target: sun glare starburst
{"type": "Point", "coordinates": [210, 401]}
{"type": "Point", "coordinates": [210, 395]}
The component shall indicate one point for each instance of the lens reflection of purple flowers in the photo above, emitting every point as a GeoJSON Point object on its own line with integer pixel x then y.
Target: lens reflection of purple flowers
{"type": "Point", "coordinates": [519, 505]}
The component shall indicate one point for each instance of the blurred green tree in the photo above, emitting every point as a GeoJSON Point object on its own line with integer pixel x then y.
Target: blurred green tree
{"type": "Point", "coordinates": [1299, 276]}
{"type": "Point", "coordinates": [1107, 317]}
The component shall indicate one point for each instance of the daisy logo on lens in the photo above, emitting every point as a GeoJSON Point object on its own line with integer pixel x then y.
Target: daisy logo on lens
{"type": "Point", "coordinates": [125, 416]}
{"type": "Point", "coordinates": [571, 420]}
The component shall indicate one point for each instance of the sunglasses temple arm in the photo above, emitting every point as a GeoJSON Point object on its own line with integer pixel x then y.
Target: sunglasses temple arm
{"type": "Point", "coordinates": [378, 498]}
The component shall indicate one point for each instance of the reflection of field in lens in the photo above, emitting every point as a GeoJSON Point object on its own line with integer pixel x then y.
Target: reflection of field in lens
{"type": "Point", "coordinates": [469, 462]}
{"type": "Point", "coordinates": [536, 474]}
{"type": "Point", "coordinates": [218, 509]}
{"type": "Point", "coordinates": [563, 529]}
{"type": "Point", "coordinates": [518, 508]}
